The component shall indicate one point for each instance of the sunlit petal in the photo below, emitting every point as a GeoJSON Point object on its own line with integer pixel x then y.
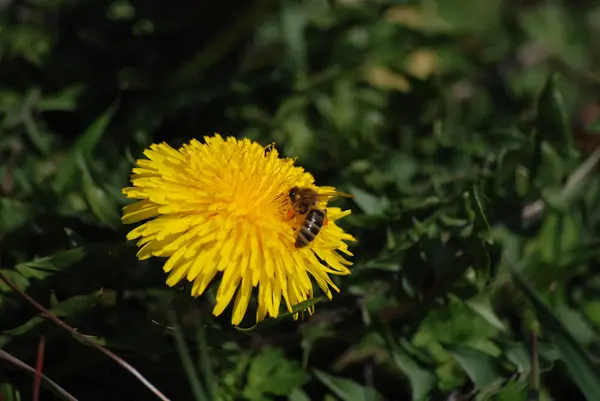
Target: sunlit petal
{"type": "Point", "coordinates": [219, 209]}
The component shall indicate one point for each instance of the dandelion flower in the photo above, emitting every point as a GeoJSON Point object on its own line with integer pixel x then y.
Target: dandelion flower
{"type": "Point", "coordinates": [222, 207]}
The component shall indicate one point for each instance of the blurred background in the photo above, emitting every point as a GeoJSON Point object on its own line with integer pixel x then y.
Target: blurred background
{"type": "Point", "coordinates": [466, 129]}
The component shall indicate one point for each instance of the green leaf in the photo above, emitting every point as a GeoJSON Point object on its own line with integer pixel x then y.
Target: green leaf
{"type": "Point", "coordinates": [16, 278]}
{"type": "Point", "coordinates": [71, 307]}
{"type": "Point", "coordinates": [84, 146]}
{"type": "Point", "coordinates": [87, 142]}
{"type": "Point", "coordinates": [512, 392]}
{"type": "Point", "coordinates": [294, 21]}
{"type": "Point", "coordinates": [298, 395]}
{"type": "Point", "coordinates": [370, 204]}
{"type": "Point", "coordinates": [47, 266]}
{"type": "Point", "coordinates": [76, 305]}
{"type": "Point", "coordinates": [481, 305]}
{"type": "Point", "coordinates": [347, 390]}
{"type": "Point", "coordinates": [480, 261]}
{"type": "Point", "coordinates": [581, 368]}
{"type": "Point", "coordinates": [481, 368]}
{"type": "Point", "coordinates": [481, 221]}
{"type": "Point", "coordinates": [552, 121]}
{"type": "Point", "coordinates": [36, 134]}
{"type": "Point", "coordinates": [9, 393]}
{"type": "Point", "coordinates": [298, 308]}
{"type": "Point", "coordinates": [421, 380]}
{"type": "Point", "coordinates": [519, 356]}
{"type": "Point", "coordinates": [13, 214]}
{"type": "Point", "coordinates": [102, 205]}
{"type": "Point", "coordinates": [65, 100]}
{"type": "Point", "coordinates": [271, 372]}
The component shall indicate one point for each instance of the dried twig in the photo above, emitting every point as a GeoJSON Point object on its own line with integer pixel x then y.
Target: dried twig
{"type": "Point", "coordinates": [55, 319]}
{"type": "Point", "coordinates": [52, 385]}
{"type": "Point", "coordinates": [38, 369]}
{"type": "Point", "coordinates": [535, 209]}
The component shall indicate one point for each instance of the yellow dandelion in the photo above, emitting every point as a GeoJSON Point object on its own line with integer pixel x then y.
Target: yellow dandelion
{"type": "Point", "coordinates": [223, 207]}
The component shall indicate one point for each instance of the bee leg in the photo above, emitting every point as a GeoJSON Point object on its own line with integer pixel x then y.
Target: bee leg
{"type": "Point", "coordinates": [290, 214]}
{"type": "Point", "coordinates": [326, 220]}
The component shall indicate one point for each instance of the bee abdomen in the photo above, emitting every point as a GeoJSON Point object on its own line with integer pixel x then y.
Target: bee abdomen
{"type": "Point", "coordinates": [310, 228]}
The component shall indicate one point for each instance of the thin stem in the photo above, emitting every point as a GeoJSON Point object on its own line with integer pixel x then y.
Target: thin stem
{"type": "Point", "coordinates": [186, 359]}
{"type": "Point", "coordinates": [38, 369]}
{"type": "Point", "coordinates": [211, 383]}
{"type": "Point", "coordinates": [51, 316]}
{"type": "Point", "coordinates": [56, 389]}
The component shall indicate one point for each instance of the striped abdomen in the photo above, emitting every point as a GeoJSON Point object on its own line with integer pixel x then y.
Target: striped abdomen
{"type": "Point", "coordinates": [310, 227]}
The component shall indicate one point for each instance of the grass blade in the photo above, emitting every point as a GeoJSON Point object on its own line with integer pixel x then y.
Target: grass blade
{"type": "Point", "coordinates": [186, 359]}
{"type": "Point", "coordinates": [204, 357]}
{"type": "Point", "coordinates": [581, 368]}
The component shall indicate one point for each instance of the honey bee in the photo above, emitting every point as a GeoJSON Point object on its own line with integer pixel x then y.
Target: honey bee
{"type": "Point", "coordinates": [304, 203]}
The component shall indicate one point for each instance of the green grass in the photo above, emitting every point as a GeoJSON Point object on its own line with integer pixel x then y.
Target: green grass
{"type": "Point", "coordinates": [466, 130]}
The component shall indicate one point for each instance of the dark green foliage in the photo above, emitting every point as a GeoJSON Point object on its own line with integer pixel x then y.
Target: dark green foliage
{"type": "Point", "coordinates": [466, 131]}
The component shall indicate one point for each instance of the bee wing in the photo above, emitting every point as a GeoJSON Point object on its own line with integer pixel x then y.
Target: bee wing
{"type": "Point", "coordinates": [327, 195]}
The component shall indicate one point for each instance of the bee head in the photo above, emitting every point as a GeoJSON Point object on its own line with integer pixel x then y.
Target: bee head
{"type": "Point", "coordinates": [293, 193]}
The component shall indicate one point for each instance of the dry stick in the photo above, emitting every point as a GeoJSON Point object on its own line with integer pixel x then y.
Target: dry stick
{"type": "Point", "coordinates": [83, 338]}
{"type": "Point", "coordinates": [38, 369]}
{"type": "Point", "coordinates": [535, 209]}
{"type": "Point", "coordinates": [17, 362]}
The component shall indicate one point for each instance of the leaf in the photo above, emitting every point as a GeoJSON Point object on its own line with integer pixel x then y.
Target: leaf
{"type": "Point", "coordinates": [481, 368]}
{"type": "Point", "coordinates": [347, 390]}
{"type": "Point", "coordinates": [271, 372]}
{"type": "Point", "coordinates": [76, 305]}
{"type": "Point", "coordinates": [480, 261]}
{"type": "Point", "coordinates": [71, 307]}
{"type": "Point", "coordinates": [421, 380]}
{"type": "Point", "coordinates": [580, 367]}
{"type": "Point", "coordinates": [47, 266]}
{"type": "Point", "coordinates": [370, 204]}
{"type": "Point", "coordinates": [84, 146]}
{"type": "Point", "coordinates": [552, 121]}
{"type": "Point", "coordinates": [36, 135]}
{"type": "Point", "coordinates": [481, 221]}
{"type": "Point", "coordinates": [518, 355]}
{"type": "Point", "coordinates": [102, 205]}
{"type": "Point", "coordinates": [298, 308]}
{"type": "Point", "coordinates": [88, 140]}
{"type": "Point", "coordinates": [13, 214]}
{"type": "Point", "coordinates": [9, 393]}
{"type": "Point", "coordinates": [294, 21]}
{"type": "Point", "coordinates": [481, 305]}
{"type": "Point", "coordinates": [513, 392]}
{"type": "Point", "coordinates": [298, 395]}
{"type": "Point", "coordinates": [65, 100]}
{"type": "Point", "coordinates": [16, 278]}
